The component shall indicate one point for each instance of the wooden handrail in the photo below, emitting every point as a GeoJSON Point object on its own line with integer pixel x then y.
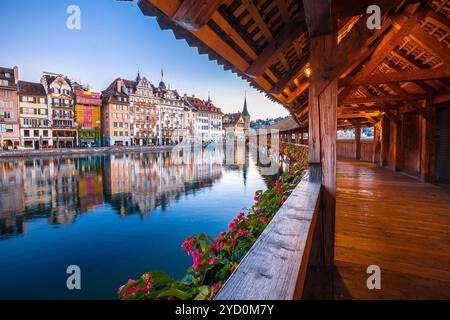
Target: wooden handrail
{"type": "Point", "coordinates": [275, 267]}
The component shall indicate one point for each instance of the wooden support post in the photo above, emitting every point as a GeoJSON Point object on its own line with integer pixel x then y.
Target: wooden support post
{"type": "Point", "coordinates": [322, 137]}
{"type": "Point", "coordinates": [357, 141]}
{"type": "Point", "coordinates": [397, 147]}
{"type": "Point", "coordinates": [385, 123]}
{"type": "Point", "coordinates": [376, 141]}
{"type": "Point", "coordinates": [428, 146]}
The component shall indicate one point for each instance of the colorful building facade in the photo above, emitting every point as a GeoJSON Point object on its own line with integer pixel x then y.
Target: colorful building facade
{"type": "Point", "coordinates": [236, 125]}
{"type": "Point", "coordinates": [35, 128]}
{"type": "Point", "coordinates": [88, 117]}
{"type": "Point", "coordinates": [143, 110]}
{"type": "Point", "coordinates": [9, 115]}
{"type": "Point", "coordinates": [60, 98]}
{"type": "Point", "coordinates": [172, 121]}
{"type": "Point", "coordinates": [208, 119]}
{"type": "Point", "coordinates": [116, 115]}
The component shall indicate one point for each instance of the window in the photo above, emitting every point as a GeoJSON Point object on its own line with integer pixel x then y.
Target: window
{"type": "Point", "coordinates": [8, 115]}
{"type": "Point", "coordinates": [26, 133]}
{"type": "Point", "coordinates": [45, 133]}
{"type": "Point", "coordinates": [6, 94]}
{"type": "Point", "coordinates": [36, 133]}
{"type": "Point", "coordinates": [42, 101]}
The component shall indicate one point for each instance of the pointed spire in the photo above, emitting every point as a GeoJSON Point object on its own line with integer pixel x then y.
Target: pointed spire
{"type": "Point", "coordinates": [138, 77]}
{"type": "Point", "coordinates": [162, 85]}
{"type": "Point", "coordinates": [245, 110]}
{"type": "Point", "coordinates": [209, 97]}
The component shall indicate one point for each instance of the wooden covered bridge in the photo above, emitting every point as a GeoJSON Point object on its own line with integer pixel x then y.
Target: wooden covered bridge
{"type": "Point", "coordinates": [366, 202]}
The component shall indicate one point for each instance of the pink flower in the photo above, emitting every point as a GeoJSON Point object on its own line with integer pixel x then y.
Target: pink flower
{"type": "Point", "coordinates": [242, 232]}
{"type": "Point", "coordinates": [282, 201]}
{"type": "Point", "coordinates": [233, 241]}
{"type": "Point", "coordinates": [212, 260]}
{"type": "Point", "coordinates": [215, 287]}
{"type": "Point", "coordinates": [232, 225]}
{"type": "Point", "coordinates": [264, 219]}
{"type": "Point", "coordinates": [148, 282]}
{"type": "Point", "coordinates": [256, 211]}
{"type": "Point", "coordinates": [196, 258]}
{"type": "Point", "coordinates": [277, 184]}
{"type": "Point", "coordinates": [188, 244]}
{"type": "Point", "coordinates": [132, 290]}
{"type": "Point", "coordinates": [219, 246]}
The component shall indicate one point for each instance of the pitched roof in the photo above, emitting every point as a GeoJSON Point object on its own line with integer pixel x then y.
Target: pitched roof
{"type": "Point", "coordinates": [245, 111]}
{"type": "Point", "coordinates": [50, 78]}
{"type": "Point", "coordinates": [11, 80]}
{"type": "Point", "coordinates": [202, 105]}
{"type": "Point", "coordinates": [31, 89]}
{"type": "Point", "coordinates": [232, 118]}
{"type": "Point", "coordinates": [284, 125]}
{"type": "Point", "coordinates": [111, 92]}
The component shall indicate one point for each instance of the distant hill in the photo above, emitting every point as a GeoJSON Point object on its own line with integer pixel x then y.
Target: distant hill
{"type": "Point", "coordinates": [261, 123]}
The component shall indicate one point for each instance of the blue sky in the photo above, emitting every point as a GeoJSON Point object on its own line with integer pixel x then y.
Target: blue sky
{"type": "Point", "coordinates": [115, 40]}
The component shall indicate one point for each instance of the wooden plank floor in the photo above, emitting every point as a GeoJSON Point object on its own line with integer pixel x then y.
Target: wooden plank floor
{"type": "Point", "coordinates": [396, 222]}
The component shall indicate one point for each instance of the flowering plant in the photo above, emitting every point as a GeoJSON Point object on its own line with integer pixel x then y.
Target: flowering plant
{"type": "Point", "coordinates": [215, 259]}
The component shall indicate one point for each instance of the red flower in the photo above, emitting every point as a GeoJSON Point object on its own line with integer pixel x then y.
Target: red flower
{"type": "Point", "coordinates": [132, 290]}
{"type": "Point", "coordinates": [188, 244]}
{"type": "Point", "coordinates": [242, 232]}
{"type": "Point", "coordinates": [215, 287]}
{"type": "Point", "coordinates": [196, 258]}
{"type": "Point", "coordinates": [264, 219]}
{"type": "Point", "coordinates": [232, 225]}
{"type": "Point", "coordinates": [148, 282]}
{"type": "Point", "coordinates": [212, 260]}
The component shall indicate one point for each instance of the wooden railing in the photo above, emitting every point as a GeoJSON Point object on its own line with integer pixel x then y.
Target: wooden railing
{"type": "Point", "coordinates": [275, 268]}
{"type": "Point", "coordinates": [348, 149]}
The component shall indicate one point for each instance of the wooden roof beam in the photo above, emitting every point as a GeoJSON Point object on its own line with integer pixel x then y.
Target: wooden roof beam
{"type": "Point", "coordinates": [367, 108]}
{"type": "Point", "coordinates": [384, 99]}
{"type": "Point", "coordinates": [430, 43]}
{"type": "Point", "coordinates": [319, 19]}
{"type": "Point", "coordinates": [194, 14]}
{"type": "Point", "coordinates": [342, 8]}
{"type": "Point", "coordinates": [359, 115]}
{"type": "Point", "coordinates": [389, 42]}
{"type": "Point", "coordinates": [298, 91]}
{"type": "Point", "coordinates": [293, 30]}
{"type": "Point", "coordinates": [290, 76]}
{"type": "Point", "coordinates": [395, 77]}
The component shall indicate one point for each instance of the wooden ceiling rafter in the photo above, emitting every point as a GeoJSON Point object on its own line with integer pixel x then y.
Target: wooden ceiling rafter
{"type": "Point", "coordinates": [395, 68]}
{"type": "Point", "coordinates": [389, 42]}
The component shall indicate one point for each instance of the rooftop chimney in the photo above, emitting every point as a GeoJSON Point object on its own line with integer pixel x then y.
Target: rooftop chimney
{"type": "Point", "coordinates": [16, 74]}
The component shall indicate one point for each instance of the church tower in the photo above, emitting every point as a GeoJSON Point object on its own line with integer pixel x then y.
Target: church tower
{"type": "Point", "coordinates": [246, 116]}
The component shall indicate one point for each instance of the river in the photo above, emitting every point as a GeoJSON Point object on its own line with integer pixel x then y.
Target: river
{"type": "Point", "coordinates": [114, 216]}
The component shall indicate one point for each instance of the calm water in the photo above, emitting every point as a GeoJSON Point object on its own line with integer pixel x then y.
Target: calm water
{"type": "Point", "coordinates": [114, 216]}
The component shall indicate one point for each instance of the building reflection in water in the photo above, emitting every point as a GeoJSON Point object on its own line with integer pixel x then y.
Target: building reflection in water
{"type": "Point", "coordinates": [64, 188]}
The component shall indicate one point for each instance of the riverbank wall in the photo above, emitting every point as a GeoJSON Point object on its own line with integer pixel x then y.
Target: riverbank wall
{"type": "Point", "coordinates": [81, 151]}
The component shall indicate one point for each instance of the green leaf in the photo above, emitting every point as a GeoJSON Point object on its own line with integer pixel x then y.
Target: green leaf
{"type": "Point", "coordinates": [174, 293]}
{"type": "Point", "coordinates": [187, 279]}
{"type": "Point", "coordinates": [204, 290]}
